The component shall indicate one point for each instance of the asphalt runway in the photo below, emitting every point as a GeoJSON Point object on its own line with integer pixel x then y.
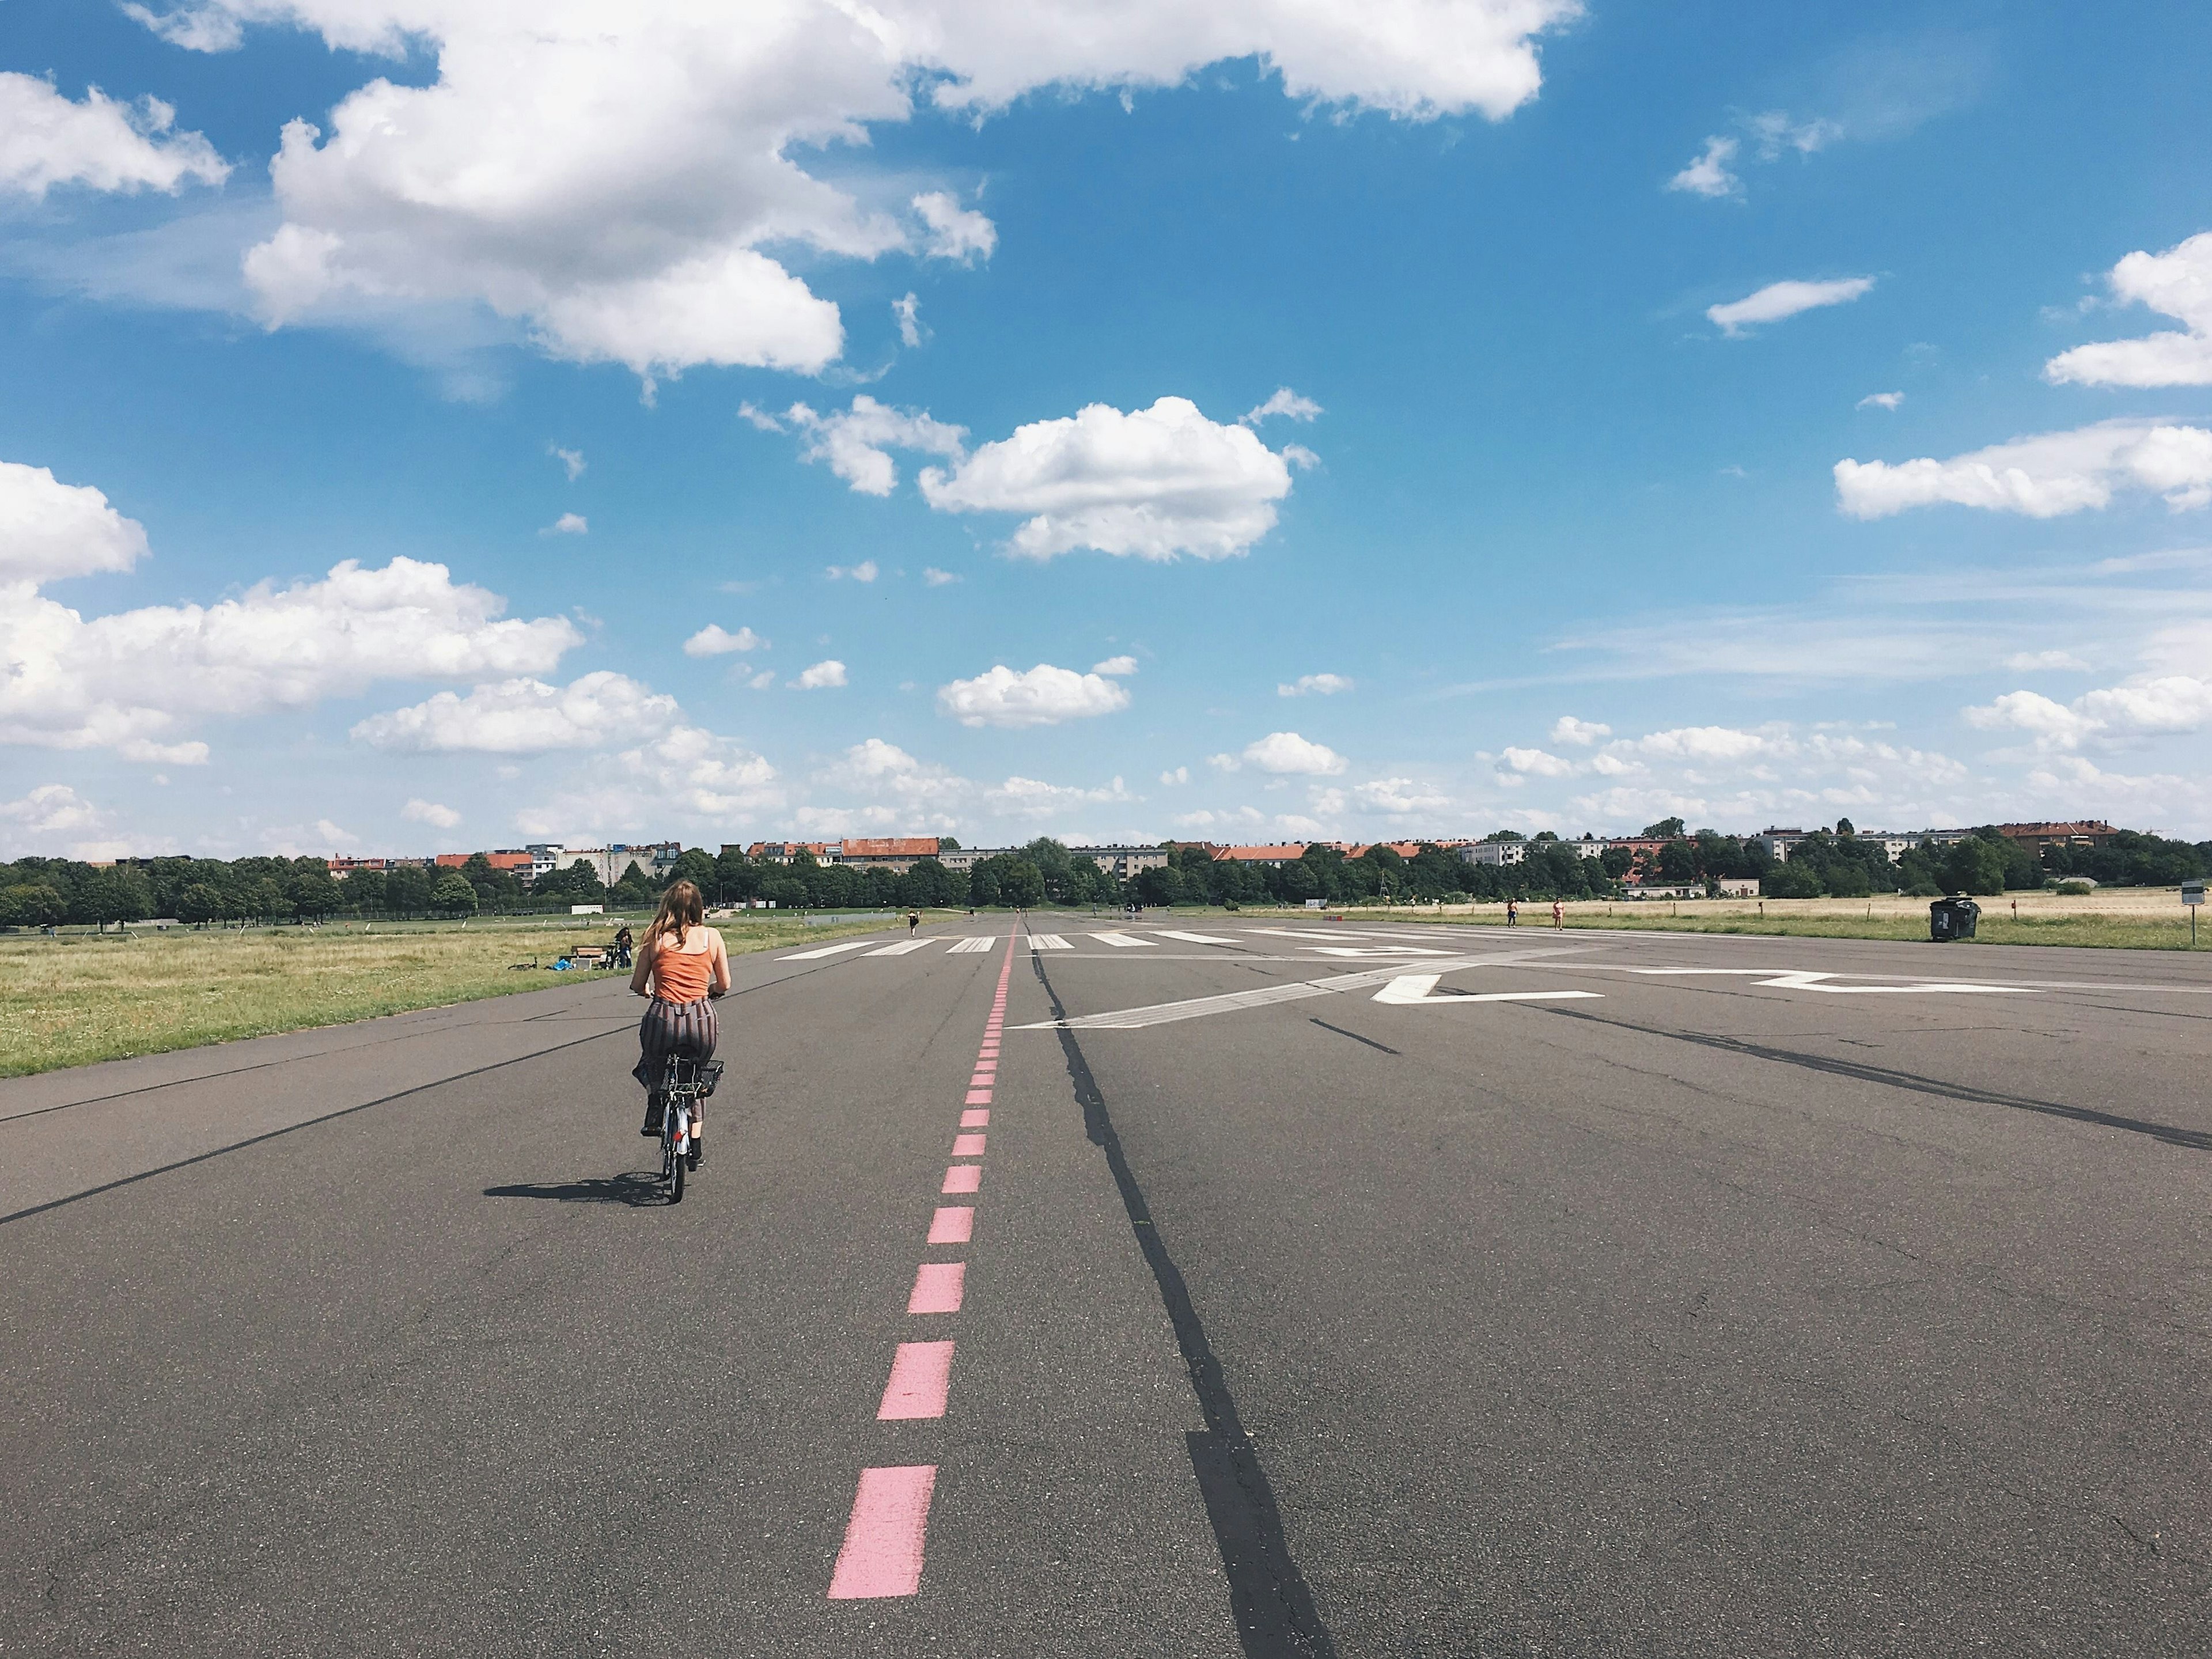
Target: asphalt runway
{"type": "Point", "coordinates": [1237, 1288]}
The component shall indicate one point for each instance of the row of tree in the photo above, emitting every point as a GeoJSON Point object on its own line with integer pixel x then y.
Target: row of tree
{"type": "Point", "coordinates": [44, 892]}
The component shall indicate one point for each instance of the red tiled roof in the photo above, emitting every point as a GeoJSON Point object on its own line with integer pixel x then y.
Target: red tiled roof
{"type": "Point", "coordinates": [892, 846]}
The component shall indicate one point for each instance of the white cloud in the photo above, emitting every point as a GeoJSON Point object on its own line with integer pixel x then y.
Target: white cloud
{"type": "Point", "coordinates": [2043, 476]}
{"type": "Point", "coordinates": [1179, 776]}
{"type": "Point", "coordinates": [857, 442]}
{"type": "Point", "coordinates": [1044, 696]}
{"type": "Point", "coordinates": [51, 821]}
{"type": "Point", "coordinates": [1537, 762]}
{"type": "Point", "coordinates": [524, 716]}
{"type": "Point", "coordinates": [1881, 400]}
{"type": "Point", "coordinates": [1286, 752]}
{"type": "Point", "coordinates": [1114, 665]}
{"type": "Point", "coordinates": [47, 140]}
{"type": "Point", "coordinates": [1779, 300]}
{"type": "Point", "coordinates": [1029, 798]}
{"type": "Point", "coordinates": [51, 530]}
{"type": "Point", "coordinates": [1775, 132]}
{"type": "Point", "coordinates": [1282, 401]}
{"type": "Point", "coordinates": [1708, 174]}
{"type": "Point", "coordinates": [1394, 797]}
{"type": "Point", "coordinates": [827, 672]}
{"type": "Point", "coordinates": [568, 524]}
{"type": "Point", "coordinates": [2029, 661]}
{"type": "Point", "coordinates": [2176, 283]}
{"type": "Point", "coordinates": [572, 461]}
{"type": "Point", "coordinates": [1315, 685]}
{"type": "Point", "coordinates": [865, 571]}
{"type": "Point", "coordinates": [685, 774]}
{"type": "Point", "coordinates": [128, 681]}
{"type": "Point", "coordinates": [712, 640]}
{"type": "Point", "coordinates": [2172, 694]}
{"type": "Point", "coordinates": [418, 811]}
{"type": "Point", "coordinates": [908, 312]}
{"type": "Point", "coordinates": [936, 578]}
{"type": "Point", "coordinates": [955, 232]}
{"type": "Point", "coordinates": [605, 177]}
{"type": "Point", "coordinates": [1568, 729]}
{"type": "Point", "coordinates": [1155, 482]}
{"type": "Point", "coordinates": [883, 770]}
{"type": "Point", "coordinates": [1702, 742]}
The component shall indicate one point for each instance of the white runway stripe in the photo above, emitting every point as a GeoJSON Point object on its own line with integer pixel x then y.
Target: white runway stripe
{"type": "Point", "coordinates": [1197, 939]}
{"type": "Point", "coordinates": [828, 950]}
{"type": "Point", "coordinates": [1123, 940]}
{"type": "Point", "coordinates": [968, 947]}
{"type": "Point", "coordinates": [1048, 942]}
{"type": "Point", "coordinates": [901, 948]}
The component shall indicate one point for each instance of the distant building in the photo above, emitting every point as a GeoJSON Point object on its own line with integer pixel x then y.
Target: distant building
{"type": "Point", "coordinates": [1777, 842]}
{"type": "Point", "coordinates": [1122, 862]}
{"type": "Point", "coordinates": [899, 853]}
{"type": "Point", "coordinates": [1270, 856]}
{"type": "Point", "coordinates": [1496, 854]}
{"type": "Point", "coordinates": [2087, 832]}
{"type": "Point", "coordinates": [783, 852]}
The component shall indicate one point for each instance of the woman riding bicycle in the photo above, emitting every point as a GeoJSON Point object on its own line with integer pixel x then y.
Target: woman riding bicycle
{"type": "Point", "coordinates": [682, 965]}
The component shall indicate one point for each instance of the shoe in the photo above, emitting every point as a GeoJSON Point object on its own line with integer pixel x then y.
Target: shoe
{"type": "Point", "coordinates": [693, 1156]}
{"type": "Point", "coordinates": [651, 1122]}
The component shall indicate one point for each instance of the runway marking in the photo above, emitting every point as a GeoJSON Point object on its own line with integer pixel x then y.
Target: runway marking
{"type": "Point", "coordinates": [978, 1097]}
{"type": "Point", "coordinates": [975, 1117]}
{"type": "Point", "coordinates": [922, 1375]}
{"type": "Point", "coordinates": [1048, 942]}
{"type": "Point", "coordinates": [937, 1287]}
{"type": "Point", "coordinates": [1420, 988]}
{"type": "Point", "coordinates": [1196, 939]}
{"type": "Point", "coordinates": [828, 949]}
{"type": "Point", "coordinates": [1801, 979]}
{"type": "Point", "coordinates": [1160, 1013]}
{"type": "Point", "coordinates": [901, 948]}
{"type": "Point", "coordinates": [963, 1178]}
{"type": "Point", "coordinates": [882, 1554]}
{"type": "Point", "coordinates": [972, 947]}
{"type": "Point", "coordinates": [1367, 951]}
{"type": "Point", "coordinates": [1314, 932]}
{"type": "Point", "coordinates": [953, 1224]}
{"type": "Point", "coordinates": [1122, 941]}
{"type": "Point", "coordinates": [967, 1146]}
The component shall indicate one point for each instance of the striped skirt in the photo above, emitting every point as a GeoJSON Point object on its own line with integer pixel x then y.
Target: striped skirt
{"type": "Point", "coordinates": [673, 1028]}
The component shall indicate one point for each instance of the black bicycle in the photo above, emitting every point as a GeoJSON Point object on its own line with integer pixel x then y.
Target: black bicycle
{"type": "Point", "coordinates": [684, 1084]}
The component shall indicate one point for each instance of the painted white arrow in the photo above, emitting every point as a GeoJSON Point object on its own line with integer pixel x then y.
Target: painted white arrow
{"type": "Point", "coordinates": [1421, 988]}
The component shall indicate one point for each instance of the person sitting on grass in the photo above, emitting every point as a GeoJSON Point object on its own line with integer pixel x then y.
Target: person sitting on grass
{"type": "Point", "coordinates": [682, 966]}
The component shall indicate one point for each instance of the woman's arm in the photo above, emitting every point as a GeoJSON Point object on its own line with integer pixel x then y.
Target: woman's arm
{"type": "Point", "coordinates": [637, 980]}
{"type": "Point", "coordinates": [721, 953]}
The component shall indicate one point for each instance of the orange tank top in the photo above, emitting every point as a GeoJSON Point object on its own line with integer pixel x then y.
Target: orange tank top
{"type": "Point", "coordinates": [678, 976]}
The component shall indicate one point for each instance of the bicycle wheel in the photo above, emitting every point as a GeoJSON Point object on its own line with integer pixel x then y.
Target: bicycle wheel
{"type": "Point", "coordinates": [675, 1169]}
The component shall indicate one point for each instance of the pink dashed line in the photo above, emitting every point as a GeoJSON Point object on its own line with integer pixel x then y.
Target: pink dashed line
{"type": "Point", "coordinates": [969, 1145]}
{"type": "Point", "coordinates": [921, 1374]}
{"type": "Point", "coordinates": [883, 1541]}
{"type": "Point", "coordinates": [937, 1287]}
{"type": "Point", "coordinates": [963, 1178]}
{"type": "Point", "coordinates": [978, 1097]}
{"type": "Point", "coordinates": [975, 1117]}
{"type": "Point", "coordinates": [953, 1224]}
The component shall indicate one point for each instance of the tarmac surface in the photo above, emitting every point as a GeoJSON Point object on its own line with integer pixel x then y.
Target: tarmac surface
{"type": "Point", "coordinates": [1323, 1288]}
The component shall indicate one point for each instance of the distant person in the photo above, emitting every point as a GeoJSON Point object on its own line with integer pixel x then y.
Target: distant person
{"type": "Point", "coordinates": [682, 965]}
{"type": "Point", "coordinates": [1512, 914]}
{"type": "Point", "coordinates": [913, 922]}
{"type": "Point", "coordinates": [623, 945]}
{"type": "Point", "coordinates": [1558, 917]}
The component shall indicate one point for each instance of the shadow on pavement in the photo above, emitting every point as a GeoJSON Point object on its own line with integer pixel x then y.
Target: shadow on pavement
{"type": "Point", "coordinates": [636, 1188]}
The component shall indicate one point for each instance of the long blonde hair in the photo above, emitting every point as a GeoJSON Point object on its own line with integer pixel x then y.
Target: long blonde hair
{"type": "Point", "coordinates": [681, 909]}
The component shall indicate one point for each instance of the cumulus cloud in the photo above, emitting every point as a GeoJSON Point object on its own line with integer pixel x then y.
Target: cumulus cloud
{"type": "Point", "coordinates": [524, 716]}
{"type": "Point", "coordinates": [827, 672]}
{"type": "Point", "coordinates": [53, 820]}
{"type": "Point", "coordinates": [865, 571]}
{"type": "Point", "coordinates": [1702, 742]}
{"type": "Point", "coordinates": [685, 774]}
{"type": "Point", "coordinates": [50, 530]}
{"type": "Point", "coordinates": [1393, 797]}
{"type": "Point", "coordinates": [1314, 685]}
{"type": "Point", "coordinates": [954, 232]}
{"type": "Point", "coordinates": [607, 177]}
{"type": "Point", "coordinates": [936, 578]}
{"type": "Point", "coordinates": [130, 680]}
{"type": "Point", "coordinates": [2176, 283]}
{"type": "Point", "coordinates": [418, 811]}
{"type": "Point", "coordinates": [1287, 753]}
{"type": "Point", "coordinates": [1708, 174]}
{"type": "Point", "coordinates": [1568, 729]}
{"type": "Point", "coordinates": [1031, 798]}
{"type": "Point", "coordinates": [857, 442]}
{"type": "Point", "coordinates": [1181, 775]}
{"type": "Point", "coordinates": [1044, 696]}
{"type": "Point", "coordinates": [2173, 694]}
{"type": "Point", "coordinates": [1114, 665]}
{"type": "Point", "coordinates": [713, 640]}
{"type": "Point", "coordinates": [568, 524]}
{"type": "Point", "coordinates": [1283, 401]}
{"type": "Point", "coordinates": [572, 461]}
{"type": "Point", "coordinates": [1779, 300]}
{"type": "Point", "coordinates": [1881, 400]}
{"type": "Point", "coordinates": [886, 772]}
{"type": "Point", "coordinates": [2043, 477]}
{"type": "Point", "coordinates": [1154, 483]}
{"type": "Point", "coordinates": [46, 139]}
{"type": "Point", "coordinates": [1537, 762]}
{"type": "Point", "coordinates": [906, 311]}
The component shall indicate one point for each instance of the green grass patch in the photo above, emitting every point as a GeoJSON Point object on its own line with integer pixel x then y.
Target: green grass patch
{"type": "Point", "coordinates": [80, 998]}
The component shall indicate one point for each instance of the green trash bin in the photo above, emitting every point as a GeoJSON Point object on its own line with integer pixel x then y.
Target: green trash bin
{"type": "Point", "coordinates": [1953, 918]}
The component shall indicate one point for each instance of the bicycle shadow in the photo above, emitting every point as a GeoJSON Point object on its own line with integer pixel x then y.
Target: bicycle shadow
{"type": "Point", "coordinates": [635, 1188]}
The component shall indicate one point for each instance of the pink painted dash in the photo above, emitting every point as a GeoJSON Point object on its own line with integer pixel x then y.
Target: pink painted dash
{"type": "Point", "coordinates": [953, 1224]}
{"type": "Point", "coordinates": [883, 1541]}
{"type": "Point", "coordinates": [967, 1146]}
{"type": "Point", "coordinates": [964, 1178]}
{"type": "Point", "coordinates": [977, 1097]}
{"type": "Point", "coordinates": [921, 1373]}
{"type": "Point", "coordinates": [937, 1287]}
{"type": "Point", "coordinates": [975, 1117]}
{"type": "Point", "coordinates": [982, 1080]}
{"type": "Point", "coordinates": [986, 1068]}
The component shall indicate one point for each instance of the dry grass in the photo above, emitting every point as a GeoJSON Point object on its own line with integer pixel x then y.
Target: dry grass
{"type": "Point", "coordinates": [82, 998]}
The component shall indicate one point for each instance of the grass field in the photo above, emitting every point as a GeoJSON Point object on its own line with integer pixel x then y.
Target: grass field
{"type": "Point", "coordinates": [85, 997]}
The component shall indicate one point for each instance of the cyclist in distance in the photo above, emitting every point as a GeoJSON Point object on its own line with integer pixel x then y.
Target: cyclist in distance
{"type": "Point", "coordinates": [682, 965]}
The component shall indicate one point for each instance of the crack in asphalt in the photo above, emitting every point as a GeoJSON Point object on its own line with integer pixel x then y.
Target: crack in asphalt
{"type": "Point", "coordinates": [1268, 1596]}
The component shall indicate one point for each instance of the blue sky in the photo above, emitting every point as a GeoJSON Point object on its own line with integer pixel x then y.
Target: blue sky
{"type": "Point", "coordinates": [1547, 328]}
